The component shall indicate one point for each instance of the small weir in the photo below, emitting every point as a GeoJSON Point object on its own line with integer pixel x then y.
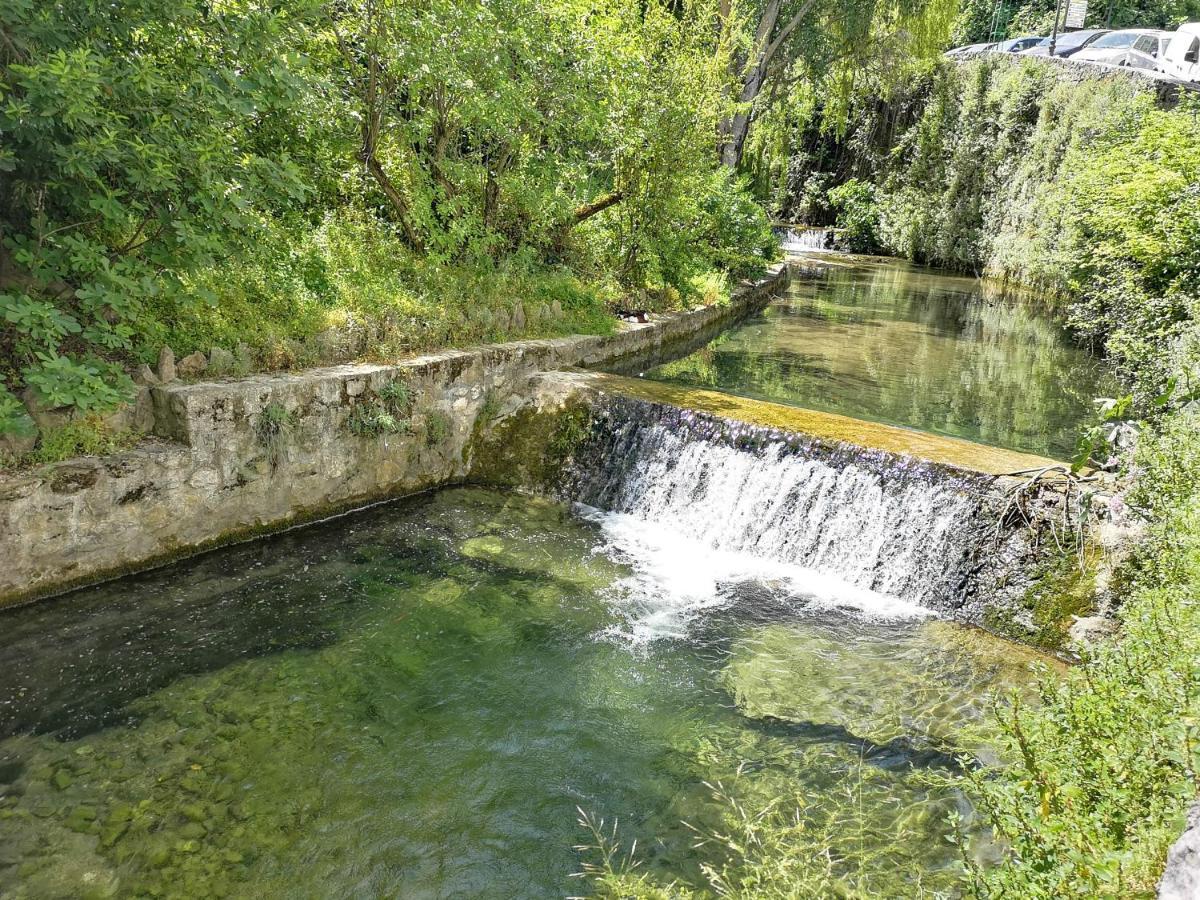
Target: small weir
{"type": "Point", "coordinates": [888, 524]}
{"type": "Point", "coordinates": [804, 239]}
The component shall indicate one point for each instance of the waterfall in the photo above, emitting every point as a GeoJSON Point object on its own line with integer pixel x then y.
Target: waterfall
{"type": "Point", "coordinates": [805, 240]}
{"type": "Point", "coordinates": [885, 524]}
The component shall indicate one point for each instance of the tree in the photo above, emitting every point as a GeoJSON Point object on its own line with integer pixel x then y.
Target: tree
{"type": "Point", "coordinates": [817, 37]}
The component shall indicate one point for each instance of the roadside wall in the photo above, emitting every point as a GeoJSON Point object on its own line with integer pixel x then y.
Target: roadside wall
{"type": "Point", "coordinates": [233, 459]}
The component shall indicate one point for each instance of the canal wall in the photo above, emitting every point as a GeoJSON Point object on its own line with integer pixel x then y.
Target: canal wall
{"type": "Point", "coordinates": [228, 460]}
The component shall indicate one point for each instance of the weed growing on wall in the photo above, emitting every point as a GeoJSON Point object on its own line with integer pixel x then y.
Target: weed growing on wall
{"type": "Point", "coordinates": [388, 412]}
{"type": "Point", "coordinates": [274, 429]}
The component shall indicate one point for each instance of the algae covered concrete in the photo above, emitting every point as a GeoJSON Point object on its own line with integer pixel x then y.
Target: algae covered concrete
{"type": "Point", "coordinates": [232, 459]}
{"type": "Point", "coordinates": [954, 453]}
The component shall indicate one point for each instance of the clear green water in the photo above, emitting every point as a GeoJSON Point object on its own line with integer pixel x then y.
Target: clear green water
{"type": "Point", "coordinates": [889, 342]}
{"type": "Point", "coordinates": [413, 701]}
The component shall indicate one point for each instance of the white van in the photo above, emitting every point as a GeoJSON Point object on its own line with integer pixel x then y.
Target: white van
{"type": "Point", "coordinates": [1182, 57]}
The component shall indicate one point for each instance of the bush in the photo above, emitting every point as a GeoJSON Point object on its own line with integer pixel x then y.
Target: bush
{"type": "Point", "coordinates": [1107, 764]}
{"type": "Point", "coordinates": [857, 215]}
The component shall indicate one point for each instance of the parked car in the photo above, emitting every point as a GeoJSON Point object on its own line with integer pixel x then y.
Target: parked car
{"type": "Point", "coordinates": [970, 48]}
{"type": "Point", "coordinates": [1134, 47]}
{"type": "Point", "coordinates": [1068, 44]}
{"type": "Point", "coordinates": [1181, 59]}
{"type": "Point", "coordinates": [1017, 45]}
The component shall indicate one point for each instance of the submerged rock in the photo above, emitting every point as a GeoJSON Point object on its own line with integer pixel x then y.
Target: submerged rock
{"type": "Point", "coordinates": [929, 682]}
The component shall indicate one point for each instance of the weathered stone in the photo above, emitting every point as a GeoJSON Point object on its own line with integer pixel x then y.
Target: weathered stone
{"type": "Point", "coordinates": [216, 482]}
{"type": "Point", "coordinates": [40, 411]}
{"type": "Point", "coordinates": [166, 365]}
{"type": "Point", "coordinates": [544, 313]}
{"type": "Point", "coordinates": [518, 318]}
{"type": "Point", "coordinates": [145, 376]}
{"type": "Point", "coordinates": [143, 411]}
{"type": "Point", "coordinates": [556, 309]}
{"type": "Point", "coordinates": [1181, 877]}
{"type": "Point", "coordinates": [1086, 631]}
{"type": "Point", "coordinates": [220, 362]}
{"type": "Point", "coordinates": [244, 359]}
{"type": "Point", "coordinates": [192, 366]}
{"type": "Point", "coordinates": [19, 443]}
{"type": "Point", "coordinates": [502, 321]}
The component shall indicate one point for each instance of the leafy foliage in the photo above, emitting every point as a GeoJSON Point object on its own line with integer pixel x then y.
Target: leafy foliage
{"type": "Point", "coordinates": [247, 174]}
{"type": "Point", "coordinates": [1107, 763]}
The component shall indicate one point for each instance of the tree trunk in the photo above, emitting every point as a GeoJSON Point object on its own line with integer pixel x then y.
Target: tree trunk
{"type": "Point", "coordinates": [399, 204]}
{"type": "Point", "coordinates": [767, 41]}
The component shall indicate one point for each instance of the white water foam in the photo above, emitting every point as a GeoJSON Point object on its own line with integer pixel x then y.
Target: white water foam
{"type": "Point", "coordinates": [677, 577]}
{"type": "Point", "coordinates": [888, 535]}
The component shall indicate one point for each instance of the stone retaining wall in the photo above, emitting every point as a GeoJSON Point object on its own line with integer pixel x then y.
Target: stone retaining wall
{"type": "Point", "coordinates": [232, 459]}
{"type": "Point", "coordinates": [1166, 90]}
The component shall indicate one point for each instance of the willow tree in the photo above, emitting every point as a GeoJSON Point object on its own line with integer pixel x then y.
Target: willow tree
{"type": "Point", "coordinates": [774, 42]}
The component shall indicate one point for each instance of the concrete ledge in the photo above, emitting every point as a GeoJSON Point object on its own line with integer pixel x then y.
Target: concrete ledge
{"type": "Point", "coordinates": [957, 454]}
{"type": "Point", "coordinates": [238, 458]}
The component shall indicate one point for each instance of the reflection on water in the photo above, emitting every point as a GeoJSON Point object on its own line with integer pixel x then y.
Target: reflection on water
{"type": "Point", "coordinates": [413, 700]}
{"type": "Point", "coordinates": [890, 342]}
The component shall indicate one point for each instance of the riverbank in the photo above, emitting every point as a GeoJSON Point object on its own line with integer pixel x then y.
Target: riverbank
{"type": "Point", "coordinates": [238, 458]}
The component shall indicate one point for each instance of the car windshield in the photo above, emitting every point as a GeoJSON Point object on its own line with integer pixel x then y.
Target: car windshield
{"type": "Point", "coordinates": [1075, 38]}
{"type": "Point", "coordinates": [1116, 41]}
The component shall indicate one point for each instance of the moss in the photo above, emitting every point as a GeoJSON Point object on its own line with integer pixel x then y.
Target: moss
{"type": "Point", "coordinates": [952, 452]}
{"type": "Point", "coordinates": [529, 448]}
{"type": "Point", "coordinates": [1060, 589]}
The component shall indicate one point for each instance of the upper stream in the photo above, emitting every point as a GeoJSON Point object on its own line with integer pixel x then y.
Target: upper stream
{"type": "Point", "coordinates": [415, 699]}
{"type": "Point", "coordinates": [890, 342]}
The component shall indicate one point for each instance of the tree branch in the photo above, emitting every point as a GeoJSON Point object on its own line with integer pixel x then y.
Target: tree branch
{"type": "Point", "coordinates": [585, 211]}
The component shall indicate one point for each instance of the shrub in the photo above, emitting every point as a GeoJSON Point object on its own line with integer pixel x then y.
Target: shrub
{"type": "Point", "coordinates": [857, 215]}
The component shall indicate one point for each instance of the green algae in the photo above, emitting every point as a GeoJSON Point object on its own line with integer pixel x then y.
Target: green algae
{"type": "Point", "coordinates": [924, 686]}
{"type": "Point", "coordinates": [946, 451]}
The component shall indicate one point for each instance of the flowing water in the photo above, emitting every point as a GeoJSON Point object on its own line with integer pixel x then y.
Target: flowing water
{"type": "Point", "coordinates": [413, 701]}
{"type": "Point", "coordinates": [888, 525]}
{"type": "Point", "coordinates": [888, 342]}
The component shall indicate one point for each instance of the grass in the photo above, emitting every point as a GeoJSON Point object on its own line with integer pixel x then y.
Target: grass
{"type": "Point", "coordinates": [388, 412]}
{"type": "Point", "coordinates": [1107, 763]}
{"type": "Point", "coordinates": [274, 429]}
{"type": "Point", "coordinates": [89, 435]}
